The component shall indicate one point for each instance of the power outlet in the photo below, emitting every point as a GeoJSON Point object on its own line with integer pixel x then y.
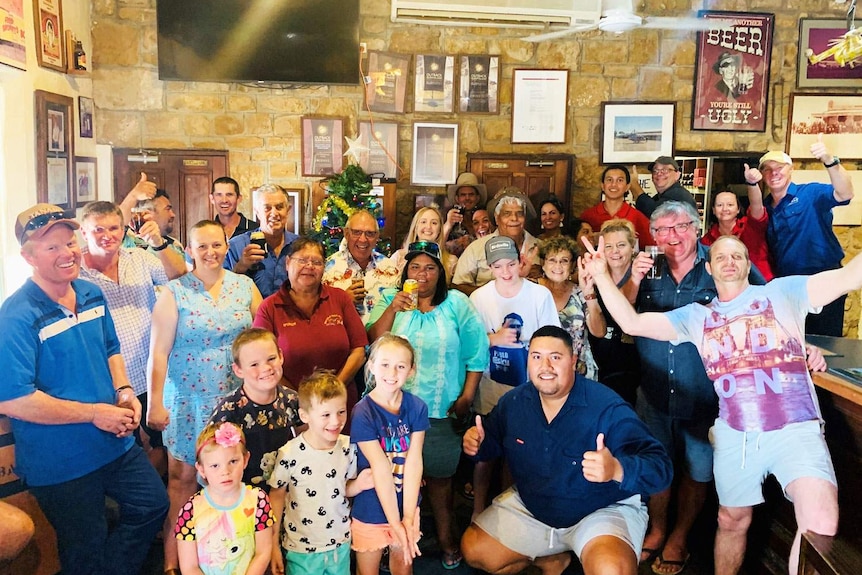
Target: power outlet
{"type": "Point", "coordinates": [363, 48]}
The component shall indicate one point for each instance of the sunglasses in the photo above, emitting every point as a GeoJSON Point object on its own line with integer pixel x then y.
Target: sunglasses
{"type": "Point", "coordinates": [39, 222]}
{"type": "Point", "coordinates": [426, 247]}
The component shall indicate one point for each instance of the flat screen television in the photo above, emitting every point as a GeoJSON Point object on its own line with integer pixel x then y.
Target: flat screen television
{"type": "Point", "coordinates": [285, 41]}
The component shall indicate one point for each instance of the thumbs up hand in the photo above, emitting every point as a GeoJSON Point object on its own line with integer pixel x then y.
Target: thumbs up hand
{"type": "Point", "coordinates": [751, 175]}
{"type": "Point", "coordinates": [600, 465]}
{"type": "Point", "coordinates": [474, 437]}
{"type": "Point", "coordinates": [144, 189]}
{"type": "Point", "coordinates": [819, 151]}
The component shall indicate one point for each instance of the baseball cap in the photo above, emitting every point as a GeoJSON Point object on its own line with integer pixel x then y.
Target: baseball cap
{"type": "Point", "coordinates": [500, 248]}
{"type": "Point", "coordinates": [664, 161]}
{"type": "Point", "coordinates": [33, 223]}
{"type": "Point", "coordinates": [775, 156]}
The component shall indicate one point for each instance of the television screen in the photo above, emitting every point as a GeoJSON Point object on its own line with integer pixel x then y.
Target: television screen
{"type": "Point", "coordinates": [291, 41]}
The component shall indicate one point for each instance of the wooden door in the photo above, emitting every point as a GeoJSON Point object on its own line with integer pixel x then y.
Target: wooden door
{"type": "Point", "coordinates": [537, 176]}
{"type": "Point", "coordinates": [186, 175]}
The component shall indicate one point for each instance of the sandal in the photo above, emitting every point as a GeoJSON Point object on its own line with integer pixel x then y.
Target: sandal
{"type": "Point", "coordinates": [674, 567]}
{"type": "Point", "coordinates": [467, 492]}
{"type": "Point", "coordinates": [451, 560]}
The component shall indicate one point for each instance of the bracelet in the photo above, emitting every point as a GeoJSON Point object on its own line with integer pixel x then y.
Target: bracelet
{"type": "Point", "coordinates": [590, 296]}
{"type": "Point", "coordinates": [122, 387]}
{"type": "Point", "coordinates": [164, 245]}
{"type": "Point", "coordinates": [751, 183]}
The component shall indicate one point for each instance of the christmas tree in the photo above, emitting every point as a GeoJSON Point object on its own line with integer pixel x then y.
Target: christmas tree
{"type": "Point", "coordinates": [346, 193]}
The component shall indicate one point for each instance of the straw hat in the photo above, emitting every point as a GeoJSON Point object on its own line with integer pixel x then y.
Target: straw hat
{"type": "Point", "coordinates": [467, 179]}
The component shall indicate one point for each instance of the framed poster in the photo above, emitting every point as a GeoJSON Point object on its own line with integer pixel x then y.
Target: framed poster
{"type": "Point", "coordinates": [13, 47]}
{"type": "Point", "coordinates": [48, 19]}
{"type": "Point", "coordinates": [849, 215]}
{"type": "Point", "coordinates": [479, 83]}
{"type": "Point", "coordinates": [322, 146]}
{"type": "Point", "coordinates": [835, 117]}
{"type": "Point", "coordinates": [85, 116]}
{"type": "Point", "coordinates": [824, 58]}
{"type": "Point", "coordinates": [296, 210]}
{"type": "Point", "coordinates": [636, 133]}
{"type": "Point", "coordinates": [435, 154]}
{"type": "Point", "coordinates": [85, 180]}
{"type": "Point", "coordinates": [54, 153]}
{"type": "Point", "coordinates": [539, 106]}
{"type": "Point", "coordinates": [380, 139]}
{"type": "Point", "coordinates": [434, 78]}
{"type": "Point", "coordinates": [387, 89]}
{"type": "Point", "coordinates": [731, 73]}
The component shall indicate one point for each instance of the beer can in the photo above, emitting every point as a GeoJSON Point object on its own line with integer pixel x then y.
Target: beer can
{"type": "Point", "coordinates": [411, 288]}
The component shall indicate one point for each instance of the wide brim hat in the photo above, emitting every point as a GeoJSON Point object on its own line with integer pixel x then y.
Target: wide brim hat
{"type": "Point", "coordinates": [467, 179]}
{"type": "Point", "coordinates": [511, 192]}
{"type": "Point", "coordinates": [33, 223]}
{"type": "Point", "coordinates": [723, 59]}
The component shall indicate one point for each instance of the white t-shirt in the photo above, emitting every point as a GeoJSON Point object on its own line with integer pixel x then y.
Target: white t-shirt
{"type": "Point", "coordinates": [533, 307]}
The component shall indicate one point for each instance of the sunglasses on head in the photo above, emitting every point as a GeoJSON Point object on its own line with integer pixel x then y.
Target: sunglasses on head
{"type": "Point", "coordinates": [426, 247]}
{"type": "Point", "coordinates": [38, 222]}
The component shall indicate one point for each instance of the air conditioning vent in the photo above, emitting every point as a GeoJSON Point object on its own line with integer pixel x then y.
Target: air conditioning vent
{"type": "Point", "coordinates": [498, 13]}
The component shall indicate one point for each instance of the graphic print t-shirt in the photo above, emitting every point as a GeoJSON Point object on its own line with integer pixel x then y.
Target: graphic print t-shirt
{"type": "Point", "coordinates": [753, 351]}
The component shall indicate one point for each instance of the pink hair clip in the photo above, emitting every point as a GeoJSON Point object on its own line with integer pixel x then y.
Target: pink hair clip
{"type": "Point", "coordinates": [228, 435]}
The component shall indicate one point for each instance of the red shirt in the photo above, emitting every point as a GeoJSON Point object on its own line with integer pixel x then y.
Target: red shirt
{"type": "Point", "coordinates": [323, 340]}
{"type": "Point", "coordinates": [753, 234]}
{"type": "Point", "coordinates": [597, 215]}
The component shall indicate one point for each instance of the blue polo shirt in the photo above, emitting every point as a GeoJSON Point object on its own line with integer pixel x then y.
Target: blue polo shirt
{"type": "Point", "coordinates": [546, 458]}
{"type": "Point", "coordinates": [800, 235]}
{"type": "Point", "coordinates": [672, 376]}
{"type": "Point", "coordinates": [46, 348]}
{"type": "Point", "coordinates": [274, 271]}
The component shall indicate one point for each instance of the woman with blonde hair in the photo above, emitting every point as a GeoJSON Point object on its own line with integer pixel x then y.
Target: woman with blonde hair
{"type": "Point", "coordinates": [427, 226]}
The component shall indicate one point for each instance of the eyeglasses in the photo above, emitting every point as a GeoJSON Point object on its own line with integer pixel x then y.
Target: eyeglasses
{"type": "Point", "coordinates": [307, 262]}
{"type": "Point", "coordinates": [39, 222]}
{"type": "Point", "coordinates": [680, 228]}
{"type": "Point", "coordinates": [370, 234]}
{"type": "Point", "coordinates": [663, 171]}
{"type": "Point", "coordinates": [425, 247]}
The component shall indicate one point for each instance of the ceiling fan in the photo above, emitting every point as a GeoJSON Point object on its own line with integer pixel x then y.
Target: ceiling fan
{"type": "Point", "coordinates": [618, 16]}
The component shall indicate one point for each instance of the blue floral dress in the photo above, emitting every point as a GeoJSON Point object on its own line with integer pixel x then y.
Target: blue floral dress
{"type": "Point", "coordinates": [199, 366]}
{"type": "Point", "coordinates": [573, 319]}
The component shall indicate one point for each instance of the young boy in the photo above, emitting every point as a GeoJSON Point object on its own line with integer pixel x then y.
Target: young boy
{"type": "Point", "coordinates": [266, 410]}
{"type": "Point", "coordinates": [312, 480]}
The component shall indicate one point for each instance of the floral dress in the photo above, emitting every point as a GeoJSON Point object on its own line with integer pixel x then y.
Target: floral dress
{"type": "Point", "coordinates": [573, 319]}
{"type": "Point", "coordinates": [199, 366]}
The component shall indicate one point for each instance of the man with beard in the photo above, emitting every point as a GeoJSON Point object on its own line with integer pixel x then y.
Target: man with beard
{"type": "Point", "coordinates": [665, 177]}
{"type": "Point", "coordinates": [266, 266]}
{"type": "Point", "coordinates": [615, 184]}
{"type": "Point", "coordinates": [458, 228]}
{"type": "Point", "coordinates": [224, 197]}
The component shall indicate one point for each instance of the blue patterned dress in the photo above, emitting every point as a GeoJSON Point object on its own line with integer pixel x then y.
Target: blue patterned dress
{"type": "Point", "coordinates": [199, 366]}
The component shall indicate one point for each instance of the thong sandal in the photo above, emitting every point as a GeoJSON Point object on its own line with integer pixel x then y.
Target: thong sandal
{"type": "Point", "coordinates": [451, 560]}
{"type": "Point", "coordinates": [651, 554]}
{"type": "Point", "coordinates": [676, 567]}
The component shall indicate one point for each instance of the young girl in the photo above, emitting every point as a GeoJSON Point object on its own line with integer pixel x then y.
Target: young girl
{"type": "Point", "coordinates": [389, 428]}
{"type": "Point", "coordinates": [225, 527]}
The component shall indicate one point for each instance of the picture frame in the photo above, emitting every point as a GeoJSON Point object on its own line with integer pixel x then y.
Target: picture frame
{"type": "Point", "coordinates": [820, 37]}
{"type": "Point", "coordinates": [389, 74]}
{"type": "Point", "coordinates": [849, 215]}
{"type": "Point", "coordinates": [86, 180]}
{"type": "Point", "coordinates": [435, 154]}
{"type": "Point", "coordinates": [438, 201]}
{"type": "Point", "coordinates": [636, 132]}
{"type": "Point", "coordinates": [50, 38]}
{"type": "Point", "coordinates": [13, 49]}
{"type": "Point", "coordinates": [322, 146]}
{"type": "Point", "coordinates": [731, 73]}
{"type": "Point", "coordinates": [434, 81]}
{"type": "Point", "coordinates": [479, 83]}
{"type": "Point", "coordinates": [539, 99]}
{"type": "Point", "coordinates": [85, 116]}
{"type": "Point", "coordinates": [835, 117]}
{"type": "Point", "coordinates": [380, 139]}
{"type": "Point", "coordinates": [295, 221]}
{"type": "Point", "coordinates": [54, 149]}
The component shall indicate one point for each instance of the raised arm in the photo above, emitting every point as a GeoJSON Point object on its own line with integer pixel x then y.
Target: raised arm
{"type": "Point", "coordinates": [837, 174]}
{"type": "Point", "coordinates": [755, 195]}
{"type": "Point", "coordinates": [826, 287]}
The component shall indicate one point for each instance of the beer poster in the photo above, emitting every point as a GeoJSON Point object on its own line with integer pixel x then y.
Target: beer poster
{"type": "Point", "coordinates": [731, 76]}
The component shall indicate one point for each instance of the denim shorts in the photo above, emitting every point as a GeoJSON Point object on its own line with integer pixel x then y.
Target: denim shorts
{"type": "Point", "coordinates": [442, 449]}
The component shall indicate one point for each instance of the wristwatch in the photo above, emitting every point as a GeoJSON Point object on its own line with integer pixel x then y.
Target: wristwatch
{"type": "Point", "coordinates": [168, 241]}
{"type": "Point", "coordinates": [835, 161]}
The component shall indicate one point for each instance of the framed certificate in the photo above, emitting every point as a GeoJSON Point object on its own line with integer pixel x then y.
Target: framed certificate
{"type": "Point", "coordinates": [380, 139]}
{"type": "Point", "coordinates": [435, 154]}
{"type": "Point", "coordinates": [479, 84]}
{"type": "Point", "coordinates": [539, 106]}
{"type": "Point", "coordinates": [322, 146]}
{"type": "Point", "coordinates": [434, 80]}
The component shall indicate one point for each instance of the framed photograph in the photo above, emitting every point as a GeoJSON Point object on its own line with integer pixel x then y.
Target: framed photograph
{"type": "Point", "coordinates": [85, 116]}
{"type": "Point", "coordinates": [849, 215]}
{"type": "Point", "coordinates": [387, 90]}
{"type": "Point", "coordinates": [435, 154]}
{"type": "Point", "coordinates": [731, 73]}
{"type": "Point", "coordinates": [434, 77]}
{"type": "Point", "coordinates": [48, 23]}
{"type": "Point", "coordinates": [835, 117]}
{"type": "Point", "coordinates": [322, 146]}
{"type": "Point", "coordinates": [479, 82]}
{"type": "Point", "coordinates": [85, 180]}
{"type": "Point", "coordinates": [539, 106]}
{"type": "Point", "coordinates": [636, 133]}
{"type": "Point", "coordinates": [54, 153]}
{"type": "Point", "coordinates": [437, 201]}
{"type": "Point", "coordinates": [823, 55]}
{"type": "Point", "coordinates": [295, 222]}
{"type": "Point", "coordinates": [381, 141]}
{"type": "Point", "coordinates": [13, 48]}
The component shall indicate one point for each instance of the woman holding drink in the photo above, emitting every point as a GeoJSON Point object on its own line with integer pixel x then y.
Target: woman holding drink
{"type": "Point", "coordinates": [451, 353]}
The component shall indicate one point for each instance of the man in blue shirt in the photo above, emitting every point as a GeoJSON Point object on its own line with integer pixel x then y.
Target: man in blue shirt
{"type": "Point", "coordinates": [665, 177]}
{"type": "Point", "coordinates": [582, 464]}
{"type": "Point", "coordinates": [800, 234]}
{"type": "Point", "coordinates": [72, 409]}
{"type": "Point", "coordinates": [267, 267]}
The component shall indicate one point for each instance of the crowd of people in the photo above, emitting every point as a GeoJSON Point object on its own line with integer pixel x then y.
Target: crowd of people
{"type": "Point", "coordinates": [271, 409]}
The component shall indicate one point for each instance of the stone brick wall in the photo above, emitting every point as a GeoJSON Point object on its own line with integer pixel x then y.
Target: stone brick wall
{"type": "Point", "coordinates": [261, 127]}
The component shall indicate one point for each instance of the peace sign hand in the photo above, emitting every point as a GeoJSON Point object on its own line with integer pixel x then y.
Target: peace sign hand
{"type": "Point", "coordinates": [594, 261]}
